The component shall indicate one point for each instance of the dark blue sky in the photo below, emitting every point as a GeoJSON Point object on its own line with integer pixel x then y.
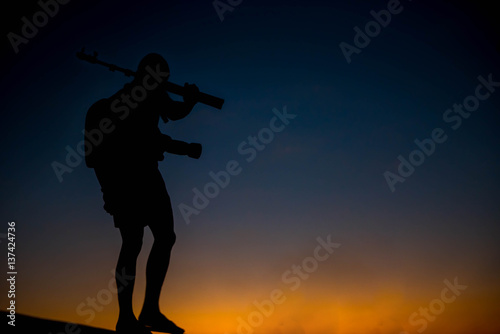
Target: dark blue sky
{"type": "Point", "coordinates": [323, 174]}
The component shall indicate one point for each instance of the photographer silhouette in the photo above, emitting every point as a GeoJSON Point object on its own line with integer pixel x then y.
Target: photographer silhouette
{"type": "Point", "coordinates": [125, 161]}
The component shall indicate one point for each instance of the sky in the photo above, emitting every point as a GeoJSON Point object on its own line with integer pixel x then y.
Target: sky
{"type": "Point", "coordinates": [336, 221]}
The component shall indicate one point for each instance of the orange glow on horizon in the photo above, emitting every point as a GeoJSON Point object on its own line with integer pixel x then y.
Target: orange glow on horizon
{"type": "Point", "coordinates": [387, 313]}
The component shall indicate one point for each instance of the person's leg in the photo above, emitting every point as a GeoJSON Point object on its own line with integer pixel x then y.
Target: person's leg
{"type": "Point", "coordinates": [156, 270]}
{"type": "Point", "coordinates": [158, 261]}
{"type": "Point", "coordinates": [125, 273]}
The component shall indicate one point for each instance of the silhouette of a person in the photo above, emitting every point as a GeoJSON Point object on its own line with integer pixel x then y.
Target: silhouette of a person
{"type": "Point", "coordinates": [127, 147]}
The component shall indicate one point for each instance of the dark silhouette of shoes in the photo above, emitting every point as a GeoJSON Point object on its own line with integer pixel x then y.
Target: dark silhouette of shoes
{"type": "Point", "coordinates": [160, 323]}
{"type": "Point", "coordinates": [131, 327]}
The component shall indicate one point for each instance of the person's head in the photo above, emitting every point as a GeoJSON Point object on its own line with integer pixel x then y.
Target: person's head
{"type": "Point", "coordinates": [155, 63]}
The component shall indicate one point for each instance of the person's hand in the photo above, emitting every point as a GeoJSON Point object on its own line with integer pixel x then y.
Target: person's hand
{"type": "Point", "coordinates": [190, 93]}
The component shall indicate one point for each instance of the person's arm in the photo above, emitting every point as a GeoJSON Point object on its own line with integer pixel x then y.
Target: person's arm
{"type": "Point", "coordinates": [192, 150]}
{"type": "Point", "coordinates": [178, 110]}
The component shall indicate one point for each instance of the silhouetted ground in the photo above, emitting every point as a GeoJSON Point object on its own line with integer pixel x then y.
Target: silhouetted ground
{"type": "Point", "coordinates": [26, 324]}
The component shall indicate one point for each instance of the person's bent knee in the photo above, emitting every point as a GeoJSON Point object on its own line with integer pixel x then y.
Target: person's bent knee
{"type": "Point", "coordinates": [167, 241]}
{"type": "Point", "coordinates": [132, 247]}
{"type": "Point", "coordinates": [170, 240]}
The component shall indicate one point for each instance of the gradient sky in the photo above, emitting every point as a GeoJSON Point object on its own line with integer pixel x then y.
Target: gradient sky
{"type": "Point", "coordinates": [322, 175]}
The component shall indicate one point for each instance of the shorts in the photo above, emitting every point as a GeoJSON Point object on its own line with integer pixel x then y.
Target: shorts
{"type": "Point", "coordinates": [136, 197]}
